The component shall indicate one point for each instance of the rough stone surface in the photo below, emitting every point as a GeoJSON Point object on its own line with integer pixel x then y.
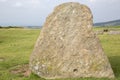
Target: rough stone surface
{"type": "Point", "coordinates": [67, 46]}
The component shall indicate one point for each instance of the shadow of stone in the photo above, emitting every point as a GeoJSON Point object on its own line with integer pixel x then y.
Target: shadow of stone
{"type": "Point", "coordinates": [34, 76]}
{"type": "Point", "coordinates": [115, 64]}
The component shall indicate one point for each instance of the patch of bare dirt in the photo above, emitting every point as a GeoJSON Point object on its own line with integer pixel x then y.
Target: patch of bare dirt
{"type": "Point", "coordinates": [2, 59]}
{"type": "Point", "coordinates": [22, 70]}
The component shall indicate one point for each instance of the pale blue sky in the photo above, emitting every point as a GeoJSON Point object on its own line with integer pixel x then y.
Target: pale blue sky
{"type": "Point", "coordinates": [34, 12]}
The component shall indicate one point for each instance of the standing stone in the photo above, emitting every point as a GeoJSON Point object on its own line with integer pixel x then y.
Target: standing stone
{"type": "Point", "coordinates": [67, 47]}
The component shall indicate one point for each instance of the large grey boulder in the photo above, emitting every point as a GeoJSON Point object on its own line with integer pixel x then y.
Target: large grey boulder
{"type": "Point", "coordinates": [67, 47]}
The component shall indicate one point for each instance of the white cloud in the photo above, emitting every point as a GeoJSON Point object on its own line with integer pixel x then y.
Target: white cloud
{"type": "Point", "coordinates": [27, 3]}
{"type": "Point", "coordinates": [18, 4]}
{"type": "Point", "coordinates": [92, 0]}
{"type": "Point", "coordinates": [3, 0]}
{"type": "Point", "coordinates": [108, 1]}
{"type": "Point", "coordinates": [34, 1]}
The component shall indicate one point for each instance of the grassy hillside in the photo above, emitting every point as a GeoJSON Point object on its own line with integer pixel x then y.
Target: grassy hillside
{"type": "Point", "coordinates": [16, 46]}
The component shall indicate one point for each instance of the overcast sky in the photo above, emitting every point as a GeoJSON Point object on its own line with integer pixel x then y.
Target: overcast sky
{"type": "Point", "coordinates": [34, 12]}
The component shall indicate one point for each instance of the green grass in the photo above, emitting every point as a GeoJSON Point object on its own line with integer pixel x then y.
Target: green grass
{"type": "Point", "coordinates": [16, 46]}
{"type": "Point", "coordinates": [109, 28]}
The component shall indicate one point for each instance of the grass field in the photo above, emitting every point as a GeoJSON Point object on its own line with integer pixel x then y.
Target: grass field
{"type": "Point", "coordinates": [16, 46]}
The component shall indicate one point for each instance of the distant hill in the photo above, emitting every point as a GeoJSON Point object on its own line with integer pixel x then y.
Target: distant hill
{"type": "Point", "coordinates": [33, 27]}
{"type": "Point", "coordinates": [109, 23]}
{"type": "Point", "coordinates": [103, 24]}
